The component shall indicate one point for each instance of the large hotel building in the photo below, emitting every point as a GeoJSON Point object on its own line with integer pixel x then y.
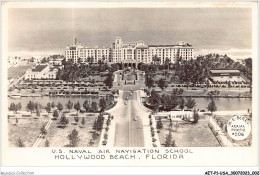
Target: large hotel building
{"type": "Point", "coordinates": [128, 53]}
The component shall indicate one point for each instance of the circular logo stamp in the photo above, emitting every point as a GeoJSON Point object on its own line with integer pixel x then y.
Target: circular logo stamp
{"type": "Point", "coordinates": [238, 127]}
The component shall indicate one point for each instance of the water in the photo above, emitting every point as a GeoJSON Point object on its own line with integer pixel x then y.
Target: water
{"type": "Point", "coordinates": [225, 104]}
{"type": "Point", "coordinates": [228, 104]}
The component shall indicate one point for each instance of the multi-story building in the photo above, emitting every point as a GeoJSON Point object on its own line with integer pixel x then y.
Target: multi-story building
{"type": "Point", "coordinates": [129, 53]}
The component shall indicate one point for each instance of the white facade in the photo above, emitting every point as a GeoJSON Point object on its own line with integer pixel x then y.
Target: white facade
{"type": "Point", "coordinates": [132, 52]}
{"type": "Point", "coordinates": [41, 72]}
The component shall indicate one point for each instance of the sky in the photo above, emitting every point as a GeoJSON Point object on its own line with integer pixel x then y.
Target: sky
{"type": "Point", "coordinates": [40, 32]}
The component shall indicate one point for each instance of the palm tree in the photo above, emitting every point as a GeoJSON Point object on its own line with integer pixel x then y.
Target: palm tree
{"type": "Point", "coordinates": [167, 62]}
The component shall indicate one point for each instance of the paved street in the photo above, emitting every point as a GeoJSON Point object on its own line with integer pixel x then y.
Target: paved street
{"type": "Point", "coordinates": [128, 116]}
{"type": "Point", "coordinates": [129, 132]}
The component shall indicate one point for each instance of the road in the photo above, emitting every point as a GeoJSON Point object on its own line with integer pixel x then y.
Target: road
{"type": "Point", "coordinates": [128, 131]}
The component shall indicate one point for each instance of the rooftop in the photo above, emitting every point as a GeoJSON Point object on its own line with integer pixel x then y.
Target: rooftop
{"type": "Point", "coordinates": [224, 71]}
{"type": "Point", "coordinates": [170, 45]}
{"type": "Point", "coordinates": [39, 68]}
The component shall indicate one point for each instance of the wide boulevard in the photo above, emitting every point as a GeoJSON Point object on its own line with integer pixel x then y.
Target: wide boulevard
{"type": "Point", "coordinates": [128, 114]}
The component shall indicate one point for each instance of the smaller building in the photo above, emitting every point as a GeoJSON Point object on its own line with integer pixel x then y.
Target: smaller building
{"type": "Point", "coordinates": [225, 76]}
{"type": "Point", "coordinates": [41, 72]}
{"type": "Point", "coordinates": [229, 73]}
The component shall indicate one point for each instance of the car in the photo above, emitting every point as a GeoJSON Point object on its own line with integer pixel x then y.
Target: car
{"type": "Point", "coordinates": [125, 103]}
{"type": "Point", "coordinates": [130, 93]}
{"type": "Point", "coordinates": [126, 98]}
{"type": "Point", "coordinates": [135, 118]}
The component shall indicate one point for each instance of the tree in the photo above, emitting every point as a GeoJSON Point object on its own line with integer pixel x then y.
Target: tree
{"type": "Point", "coordinates": [20, 143]}
{"type": "Point", "coordinates": [60, 106]}
{"type": "Point", "coordinates": [48, 107]}
{"type": "Point", "coordinates": [94, 106]}
{"type": "Point", "coordinates": [64, 120]}
{"type": "Point", "coordinates": [95, 135]}
{"type": "Point", "coordinates": [18, 106]}
{"type": "Point", "coordinates": [73, 138]}
{"type": "Point", "coordinates": [69, 105]}
{"type": "Point", "coordinates": [43, 130]}
{"type": "Point", "coordinates": [76, 118]}
{"type": "Point", "coordinates": [156, 59]}
{"type": "Point", "coordinates": [53, 105]}
{"type": "Point", "coordinates": [83, 121]}
{"type": "Point", "coordinates": [47, 143]}
{"type": "Point", "coordinates": [100, 121]}
{"type": "Point", "coordinates": [162, 83]}
{"type": "Point", "coordinates": [159, 124]}
{"type": "Point", "coordinates": [86, 105]}
{"type": "Point", "coordinates": [102, 104]}
{"type": "Point", "coordinates": [195, 117]}
{"type": "Point", "coordinates": [55, 114]}
{"type": "Point", "coordinates": [30, 106]}
{"type": "Point", "coordinates": [212, 106]}
{"type": "Point", "coordinates": [154, 98]}
{"type": "Point", "coordinates": [38, 113]}
{"type": "Point", "coordinates": [77, 106]}
{"type": "Point", "coordinates": [169, 142]}
{"type": "Point", "coordinates": [12, 107]}
{"type": "Point", "coordinates": [167, 62]}
{"type": "Point", "coordinates": [149, 82]}
{"type": "Point", "coordinates": [190, 103]}
{"type": "Point", "coordinates": [181, 103]}
{"type": "Point", "coordinates": [170, 124]}
{"type": "Point", "coordinates": [95, 125]}
{"type": "Point", "coordinates": [109, 81]}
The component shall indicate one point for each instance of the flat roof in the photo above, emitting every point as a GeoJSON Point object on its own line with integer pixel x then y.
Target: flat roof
{"type": "Point", "coordinates": [39, 68]}
{"type": "Point", "coordinates": [224, 71]}
{"type": "Point", "coordinates": [184, 46]}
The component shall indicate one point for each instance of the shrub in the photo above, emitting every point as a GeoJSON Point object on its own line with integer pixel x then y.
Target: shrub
{"type": "Point", "coordinates": [151, 122]}
{"type": "Point", "coordinates": [73, 138]}
{"type": "Point", "coordinates": [107, 128]}
{"type": "Point", "coordinates": [152, 128]}
{"type": "Point", "coordinates": [94, 135]}
{"type": "Point", "coordinates": [91, 142]}
{"type": "Point", "coordinates": [105, 136]}
{"type": "Point", "coordinates": [47, 143]}
{"type": "Point", "coordinates": [153, 133]}
{"type": "Point", "coordinates": [153, 139]}
{"type": "Point", "coordinates": [154, 145]}
{"type": "Point", "coordinates": [20, 143]}
{"type": "Point", "coordinates": [104, 142]}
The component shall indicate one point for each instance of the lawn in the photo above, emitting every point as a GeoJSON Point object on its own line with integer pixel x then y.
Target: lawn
{"type": "Point", "coordinates": [188, 135]}
{"type": "Point", "coordinates": [58, 136]}
{"type": "Point", "coordinates": [15, 71]}
{"type": "Point", "coordinates": [96, 78]}
{"type": "Point", "coordinates": [27, 129]}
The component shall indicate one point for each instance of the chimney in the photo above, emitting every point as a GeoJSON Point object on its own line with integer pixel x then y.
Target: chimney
{"type": "Point", "coordinates": [76, 41]}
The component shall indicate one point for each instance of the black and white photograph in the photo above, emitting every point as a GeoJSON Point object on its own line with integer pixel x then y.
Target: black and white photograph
{"type": "Point", "coordinates": [129, 77]}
